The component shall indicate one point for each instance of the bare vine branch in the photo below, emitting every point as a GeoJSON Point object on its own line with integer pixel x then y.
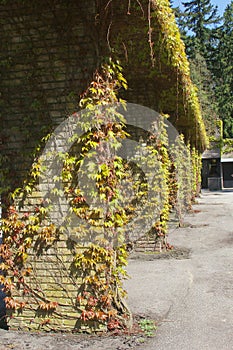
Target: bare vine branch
{"type": "Point", "coordinates": [140, 5]}
{"type": "Point", "coordinates": [129, 5]}
{"type": "Point", "coordinates": [126, 52]}
{"type": "Point", "coordinates": [108, 36]}
{"type": "Point", "coordinates": [151, 43]}
{"type": "Point", "coordinates": [108, 3]}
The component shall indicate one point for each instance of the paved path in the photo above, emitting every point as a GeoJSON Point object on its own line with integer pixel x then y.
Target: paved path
{"type": "Point", "coordinates": [192, 298]}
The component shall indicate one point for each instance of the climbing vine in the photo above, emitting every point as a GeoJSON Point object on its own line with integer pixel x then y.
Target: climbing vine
{"type": "Point", "coordinates": [184, 176]}
{"type": "Point", "coordinates": [30, 236]}
{"type": "Point", "coordinates": [83, 288]}
{"type": "Point", "coordinates": [159, 228]}
{"type": "Point", "coordinates": [90, 271]}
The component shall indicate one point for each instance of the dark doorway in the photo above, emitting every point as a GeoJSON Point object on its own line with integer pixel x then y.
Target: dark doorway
{"type": "Point", "coordinates": [211, 168]}
{"type": "Point", "coordinates": [227, 170]}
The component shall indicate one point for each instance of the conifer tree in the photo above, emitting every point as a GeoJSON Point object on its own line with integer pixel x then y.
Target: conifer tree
{"type": "Point", "coordinates": [223, 71]}
{"type": "Point", "coordinates": [200, 40]}
{"type": "Point", "coordinates": [200, 17]}
{"type": "Point", "coordinates": [203, 79]}
{"type": "Point", "coordinates": [209, 47]}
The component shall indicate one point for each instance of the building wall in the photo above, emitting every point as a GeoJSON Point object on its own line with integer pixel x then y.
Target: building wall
{"type": "Point", "coordinates": [48, 55]}
{"type": "Point", "coordinates": [49, 51]}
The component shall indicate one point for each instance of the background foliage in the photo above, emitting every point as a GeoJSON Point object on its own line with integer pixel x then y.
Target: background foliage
{"type": "Point", "coordinates": [208, 39]}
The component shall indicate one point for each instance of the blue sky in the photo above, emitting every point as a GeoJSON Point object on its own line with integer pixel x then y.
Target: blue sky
{"type": "Point", "coordinates": [220, 3]}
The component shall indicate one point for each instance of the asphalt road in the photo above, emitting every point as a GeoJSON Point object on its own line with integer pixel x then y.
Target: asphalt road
{"type": "Point", "coordinates": [192, 298]}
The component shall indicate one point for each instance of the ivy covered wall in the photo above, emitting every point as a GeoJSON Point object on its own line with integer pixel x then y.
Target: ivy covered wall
{"type": "Point", "coordinates": [50, 50]}
{"type": "Point", "coordinates": [49, 53]}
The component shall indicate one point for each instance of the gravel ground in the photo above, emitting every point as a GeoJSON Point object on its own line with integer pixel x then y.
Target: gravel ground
{"type": "Point", "coordinates": [16, 340]}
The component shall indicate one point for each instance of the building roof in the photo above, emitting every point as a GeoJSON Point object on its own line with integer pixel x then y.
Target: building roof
{"type": "Point", "coordinates": [211, 154]}
{"type": "Point", "coordinates": [227, 157]}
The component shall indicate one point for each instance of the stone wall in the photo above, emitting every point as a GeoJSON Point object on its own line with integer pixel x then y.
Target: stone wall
{"type": "Point", "coordinates": [49, 52]}
{"type": "Point", "coordinates": [48, 56]}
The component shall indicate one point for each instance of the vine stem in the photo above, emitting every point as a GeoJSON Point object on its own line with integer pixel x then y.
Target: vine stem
{"type": "Point", "coordinates": [129, 5]}
{"type": "Point", "coordinates": [108, 3]}
{"type": "Point", "coordinates": [150, 35]}
{"type": "Point", "coordinates": [108, 35]}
